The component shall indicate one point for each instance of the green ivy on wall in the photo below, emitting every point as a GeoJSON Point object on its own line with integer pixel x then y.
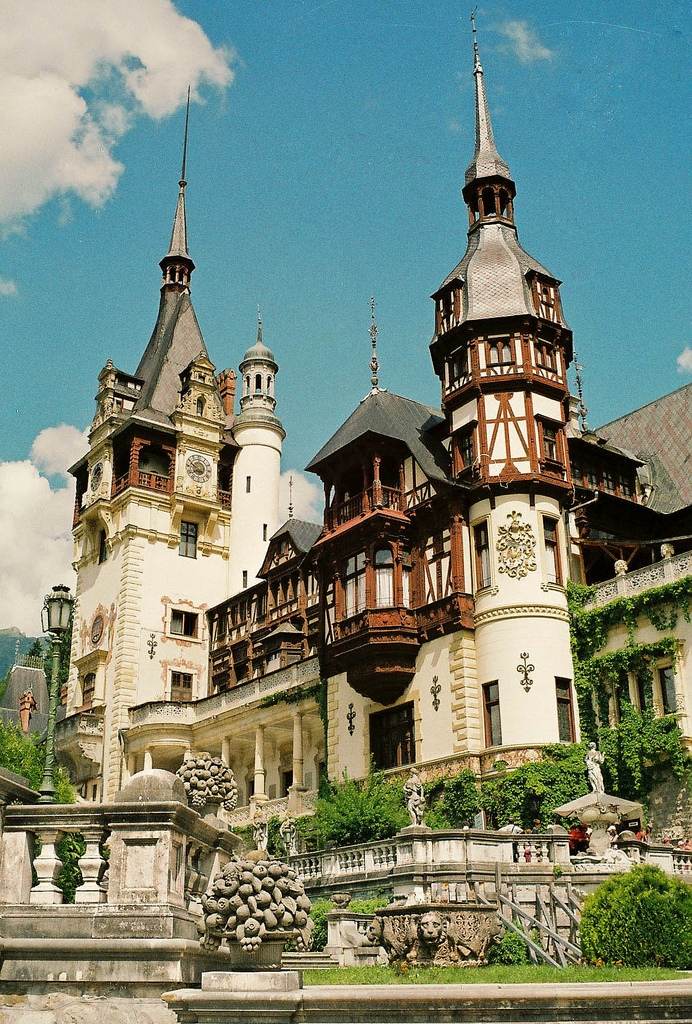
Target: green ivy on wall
{"type": "Point", "coordinates": [641, 748]}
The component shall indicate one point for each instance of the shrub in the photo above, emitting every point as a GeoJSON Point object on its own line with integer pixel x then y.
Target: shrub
{"type": "Point", "coordinates": [642, 918]}
{"type": "Point", "coordinates": [360, 812]}
{"type": "Point", "coordinates": [319, 911]}
{"type": "Point", "coordinates": [510, 950]}
{"type": "Point", "coordinates": [454, 802]}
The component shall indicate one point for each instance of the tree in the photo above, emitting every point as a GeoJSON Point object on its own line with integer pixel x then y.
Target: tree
{"type": "Point", "coordinates": [25, 755]}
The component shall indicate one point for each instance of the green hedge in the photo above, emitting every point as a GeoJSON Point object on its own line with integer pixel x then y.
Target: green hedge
{"type": "Point", "coordinates": [639, 919]}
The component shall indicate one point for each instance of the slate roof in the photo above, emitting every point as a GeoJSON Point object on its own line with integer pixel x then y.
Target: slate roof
{"type": "Point", "coordinates": [302, 534]}
{"type": "Point", "coordinates": [493, 275]}
{"type": "Point", "coordinates": [661, 434]}
{"type": "Point", "coordinates": [174, 343]}
{"type": "Point", "coordinates": [389, 415]}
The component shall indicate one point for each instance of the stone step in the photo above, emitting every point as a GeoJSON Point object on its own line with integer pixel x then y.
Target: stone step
{"type": "Point", "coordinates": [307, 961]}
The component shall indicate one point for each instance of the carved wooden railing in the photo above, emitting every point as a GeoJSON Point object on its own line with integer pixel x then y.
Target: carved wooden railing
{"type": "Point", "coordinates": [369, 500]}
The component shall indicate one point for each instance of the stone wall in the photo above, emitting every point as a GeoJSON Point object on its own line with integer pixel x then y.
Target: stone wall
{"type": "Point", "coordinates": [72, 1008]}
{"type": "Point", "coordinates": [670, 810]}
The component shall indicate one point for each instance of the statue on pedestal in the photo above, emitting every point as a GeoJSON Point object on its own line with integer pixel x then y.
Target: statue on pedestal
{"type": "Point", "coordinates": [415, 798]}
{"type": "Point", "coordinates": [594, 760]}
{"type": "Point", "coordinates": [287, 831]}
{"type": "Point", "coordinates": [260, 831]}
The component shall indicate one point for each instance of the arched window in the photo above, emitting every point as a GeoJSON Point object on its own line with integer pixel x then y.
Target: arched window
{"type": "Point", "coordinates": [494, 354]}
{"type": "Point", "coordinates": [88, 687]}
{"type": "Point", "coordinates": [200, 407]}
{"type": "Point", "coordinates": [269, 384]}
{"type": "Point", "coordinates": [258, 383]}
{"type": "Point", "coordinates": [406, 569]}
{"type": "Point", "coordinates": [504, 201]}
{"type": "Point", "coordinates": [354, 584]}
{"type": "Point", "coordinates": [488, 202]}
{"type": "Point", "coordinates": [247, 384]}
{"type": "Point", "coordinates": [506, 352]}
{"type": "Point", "coordinates": [384, 578]}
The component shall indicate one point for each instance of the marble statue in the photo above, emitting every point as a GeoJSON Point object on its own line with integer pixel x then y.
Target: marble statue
{"type": "Point", "coordinates": [415, 798]}
{"type": "Point", "coordinates": [260, 831]}
{"type": "Point", "coordinates": [594, 760]}
{"type": "Point", "coordinates": [287, 831]}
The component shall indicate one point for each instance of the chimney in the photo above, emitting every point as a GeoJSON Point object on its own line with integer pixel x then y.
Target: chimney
{"type": "Point", "coordinates": [226, 381]}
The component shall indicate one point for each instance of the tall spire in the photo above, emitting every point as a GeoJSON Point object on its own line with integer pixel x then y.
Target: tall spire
{"type": "Point", "coordinates": [487, 162]}
{"type": "Point", "coordinates": [176, 265]}
{"type": "Point", "coordinates": [259, 326]}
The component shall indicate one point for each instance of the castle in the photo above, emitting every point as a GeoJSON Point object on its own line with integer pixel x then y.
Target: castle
{"type": "Point", "coordinates": [425, 619]}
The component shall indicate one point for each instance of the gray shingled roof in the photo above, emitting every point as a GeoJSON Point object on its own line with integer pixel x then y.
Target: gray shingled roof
{"type": "Point", "coordinates": [493, 275]}
{"type": "Point", "coordinates": [302, 533]}
{"type": "Point", "coordinates": [661, 434]}
{"type": "Point", "coordinates": [175, 342]}
{"type": "Point", "coordinates": [389, 415]}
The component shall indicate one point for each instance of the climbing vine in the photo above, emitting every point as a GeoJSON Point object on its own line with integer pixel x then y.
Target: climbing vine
{"type": "Point", "coordinates": [641, 748]}
{"type": "Point", "coordinates": [318, 691]}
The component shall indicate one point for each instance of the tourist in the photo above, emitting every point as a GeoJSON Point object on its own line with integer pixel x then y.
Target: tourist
{"type": "Point", "coordinates": [578, 840]}
{"type": "Point", "coordinates": [513, 829]}
{"type": "Point", "coordinates": [536, 826]}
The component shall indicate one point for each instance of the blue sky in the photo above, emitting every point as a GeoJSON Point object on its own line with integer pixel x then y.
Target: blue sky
{"type": "Point", "coordinates": [327, 153]}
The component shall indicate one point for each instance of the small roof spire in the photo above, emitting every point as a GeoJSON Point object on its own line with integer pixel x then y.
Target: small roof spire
{"type": "Point", "coordinates": [259, 325]}
{"type": "Point", "coordinates": [178, 246]}
{"type": "Point", "coordinates": [290, 497]}
{"type": "Point", "coordinates": [374, 363]}
{"type": "Point", "coordinates": [487, 162]}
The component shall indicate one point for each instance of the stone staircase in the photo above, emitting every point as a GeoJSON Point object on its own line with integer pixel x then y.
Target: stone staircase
{"type": "Point", "coordinates": [307, 961]}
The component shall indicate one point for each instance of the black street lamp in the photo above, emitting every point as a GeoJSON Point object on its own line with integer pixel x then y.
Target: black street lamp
{"type": "Point", "coordinates": [55, 619]}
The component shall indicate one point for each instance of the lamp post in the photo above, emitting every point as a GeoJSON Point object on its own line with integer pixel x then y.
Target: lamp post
{"type": "Point", "coordinates": [55, 619]}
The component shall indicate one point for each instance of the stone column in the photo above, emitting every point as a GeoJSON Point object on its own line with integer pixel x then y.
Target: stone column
{"type": "Point", "coordinates": [148, 762]}
{"type": "Point", "coordinates": [260, 773]}
{"type": "Point", "coordinates": [226, 750]}
{"type": "Point", "coordinates": [295, 801]}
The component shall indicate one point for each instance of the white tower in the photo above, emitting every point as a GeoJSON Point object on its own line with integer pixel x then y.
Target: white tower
{"type": "Point", "coordinates": [259, 434]}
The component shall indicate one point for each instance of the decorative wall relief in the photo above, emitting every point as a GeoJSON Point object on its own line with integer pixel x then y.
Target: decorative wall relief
{"type": "Point", "coordinates": [435, 691]}
{"type": "Point", "coordinates": [524, 669]}
{"type": "Point", "coordinates": [516, 547]}
{"type": "Point", "coordinates": [351, 718]}
{"type": "Point", "coordinates": [152, 644]}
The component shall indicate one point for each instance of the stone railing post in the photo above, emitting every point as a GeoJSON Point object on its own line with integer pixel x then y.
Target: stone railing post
{"type": "Point", "coordinates": [47, 867]}
{"type": "Point", "coordinates": [92, 865]}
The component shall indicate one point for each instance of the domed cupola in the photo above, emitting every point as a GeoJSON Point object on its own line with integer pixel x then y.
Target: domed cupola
{"type": "Point", "coordinates": [258, 372]}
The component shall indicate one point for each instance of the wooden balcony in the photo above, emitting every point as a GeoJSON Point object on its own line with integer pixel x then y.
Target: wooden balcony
{"type": "Point", "coordinates": [377, 648]}
{"type": "Point", "coordinates": [224, 498]}
{"type": "Point", "coordinates": [151, 481]}
{"type": "Point", "coordinates": [373, 499]}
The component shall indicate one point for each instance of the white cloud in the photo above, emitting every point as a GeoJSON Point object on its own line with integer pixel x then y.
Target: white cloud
{"type": "Point", "coordinates": [308, 501]}
{"type": "Point", "coordinates": [523, 42]}
{"type": "Point", "coordinates": [685, 360]}
{"type": "Point", "coordinates": [7, 287]}
{"type": "Point", "coordinates": [56, 448]}
{"type": "Point", "coordinates": [74, 77]}
{"type": "Point", "coordinates": [35, 543]}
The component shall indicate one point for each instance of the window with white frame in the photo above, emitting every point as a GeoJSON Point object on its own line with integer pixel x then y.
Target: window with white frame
{"type": "Point", "coordinates": [384, 578]}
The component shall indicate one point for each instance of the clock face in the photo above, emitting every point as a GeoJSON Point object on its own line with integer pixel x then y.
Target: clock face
{"type": "Point", "coordinates": [198, 468]}
{"type": "Point", "coordinates": [97, 629]}
{"type": "Point", "coordinates": [96, 476]}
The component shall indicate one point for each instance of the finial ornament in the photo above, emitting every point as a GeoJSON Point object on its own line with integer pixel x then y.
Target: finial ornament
{"type": "Point", "coordinates": [259, 323]}
{"type": "Point", "coordinates": [476, 55]}
{"type": "Point", "coordinates": [182, 181]}
{"type": "Point", "coordinates": [290, 497]}
{"type": "Point", "coordinates": [578, 367]}
{"type": "Point", "coordinates": [374, 364]}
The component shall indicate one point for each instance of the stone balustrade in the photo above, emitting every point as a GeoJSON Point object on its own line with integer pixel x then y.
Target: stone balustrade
{"type": "Point", "coordinates": [159, 712]}
{"type": "Point", "coordinates": [425, 853]}
{"type": "Point", "coordinates": [668, 570]}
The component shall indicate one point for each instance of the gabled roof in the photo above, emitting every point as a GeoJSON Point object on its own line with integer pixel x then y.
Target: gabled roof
{"type": "Point", "coordinates": [661, 434]}
{"type": "Point", "coordinates": [175, 342]}
{"type": "Point", "coordinates": [302, 533]}
{"type": "Point", "coordinates": [387, 415]}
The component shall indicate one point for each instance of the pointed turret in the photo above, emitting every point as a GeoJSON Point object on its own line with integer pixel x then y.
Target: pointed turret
{"type": "Point", "coordinates": [489, 189]}
{"type": "Point", "coordinates": [487, 162]}
{"type": "Point", "coordinates": [176, 265]}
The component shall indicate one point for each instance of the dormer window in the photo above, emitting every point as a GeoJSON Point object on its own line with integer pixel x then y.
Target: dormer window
{"type": "Point", "coordinates": [500, 352]}
{"type": "Point", "coordinates": [200, 407]}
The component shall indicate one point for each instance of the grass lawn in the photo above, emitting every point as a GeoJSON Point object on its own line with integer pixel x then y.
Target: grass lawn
{"type": "Point", "coordinates": [494, 975]}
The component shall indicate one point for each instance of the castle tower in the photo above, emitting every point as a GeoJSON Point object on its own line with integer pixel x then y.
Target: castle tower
{"type": "Point", "coordinates": [152, 536]}
{"type": "Point", "coordinates": [259, 434]}
{"type": "Point", "coordinates": [501, 349]}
